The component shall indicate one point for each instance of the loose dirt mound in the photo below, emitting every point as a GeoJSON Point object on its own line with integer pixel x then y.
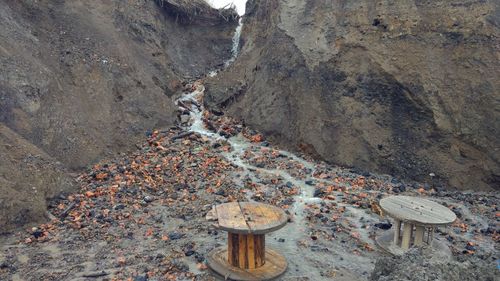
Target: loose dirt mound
{"type": "Point", "coordinates": [28, 176]}
{"type": "Point", "coordinates": [426, 265]}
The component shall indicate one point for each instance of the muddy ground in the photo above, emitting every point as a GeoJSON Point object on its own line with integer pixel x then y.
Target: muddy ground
{"type": "Point", "coordinates": [141, 216]}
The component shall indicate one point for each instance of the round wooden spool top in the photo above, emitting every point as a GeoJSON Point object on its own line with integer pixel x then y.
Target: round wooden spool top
{"type": "Point", "coordinates": [247, 217]}
{"type": "Point", "coordinates": [417, 210]}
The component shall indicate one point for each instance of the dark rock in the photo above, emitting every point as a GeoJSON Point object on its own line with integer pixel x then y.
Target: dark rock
{"type": "Point", "coordinates": [189, 253]}
{"type": "Point", "coordinates": [319, 192]}
{"type": "Point", "coordinates": [4, 265]}
{"type": "Point", "coordinates": [383, 225]}
{"type": "Point", "coordinates": [37, 233]}
{"type": "Point", "coordinates": [470, 247]}
{"type": "Point", "coordinates": [175, 235]}
{"type": "Point", "coordinates": [119, 207]}
{"type": "Point", "coordinates": [141, 278]}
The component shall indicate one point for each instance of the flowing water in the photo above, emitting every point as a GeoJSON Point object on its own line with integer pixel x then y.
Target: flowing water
{"type": "Point", "coordinates": [296, 232]}
{"type": "Point", "coordinates": [236, 44]}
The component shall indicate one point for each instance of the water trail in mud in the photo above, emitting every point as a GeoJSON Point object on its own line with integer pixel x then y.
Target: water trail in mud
{"type": "Point", "coordinates": [296, 231]}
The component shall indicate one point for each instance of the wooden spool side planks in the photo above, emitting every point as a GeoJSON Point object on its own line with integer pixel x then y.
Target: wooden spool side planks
{"type": "Point", "coordinates": [274, 267]}
{"type": "Point", "coordinates": [246, 257]}
{"type": "Point", "coordinates": [246, 251]}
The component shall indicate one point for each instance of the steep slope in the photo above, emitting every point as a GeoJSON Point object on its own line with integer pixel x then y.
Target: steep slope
{"type": "Point", "coordinates": [408, 88]}
{"type": "Point", "coordinates": [81, 80]}
{"type": "Point", "coordinates": [28, 176]}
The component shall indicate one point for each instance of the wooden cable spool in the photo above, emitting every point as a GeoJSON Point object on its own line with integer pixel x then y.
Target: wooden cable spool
{"type": "Point", "coordinates": [418, 218]}
{"type": "Point", "coordinates": [246, 256]}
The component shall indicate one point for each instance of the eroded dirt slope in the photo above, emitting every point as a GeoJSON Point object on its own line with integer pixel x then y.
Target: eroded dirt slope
{"type": "Point", "coordinates": [408, 88]}
{"type": "Point", "coordinates": [28, 176]}
{"type": "Point", "coordinates": [84, 79]}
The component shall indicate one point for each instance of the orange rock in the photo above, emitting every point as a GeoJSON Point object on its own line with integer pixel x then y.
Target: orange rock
{"type": "Point", "coordinates": [89, 194]}
{"type": "Point", "coordinates": [257, 138]}
{"type": "Point", "coordinates": [201, 266]}
{"type": "Point", "coordinates": [121, 260]}
{"type": "Point", "coordinates": [101, 176]}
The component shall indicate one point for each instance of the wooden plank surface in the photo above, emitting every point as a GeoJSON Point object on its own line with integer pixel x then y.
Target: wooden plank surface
{"type": "Point", "coordinates": [417, 210]}
{"type": "Point", "coordinates": [248, 217]}
{"type": "Point", "coordinates": [246, 250]}
{"type": "Point", "coordinates": [260, 250]}
{"type": "Point", "coordinates": [407, 231]}
{"type": "Point", "coordinates": [230, 217]}
{"type": "Point", "coordinates": [260, 217]}
{"type": "Point", "coordinates": [419, 235]}
{"type": "Point", "coordinates": [397, 228]}
{"type": "Point", "coordinates": [242, 251]}
{"type": "Point", "coordinates": [251, 252]}
{"type": "Point", "coordinates": [232, 249]}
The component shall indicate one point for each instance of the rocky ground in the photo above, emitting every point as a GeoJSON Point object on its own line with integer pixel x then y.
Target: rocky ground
{"type": "Point", "coordinates": [141, 216]}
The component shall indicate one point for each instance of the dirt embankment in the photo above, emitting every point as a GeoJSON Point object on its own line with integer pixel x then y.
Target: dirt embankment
{"type": "Point", "coordinates": [408, 88]}
{"type": "Point", "coordinates": [80, 80]}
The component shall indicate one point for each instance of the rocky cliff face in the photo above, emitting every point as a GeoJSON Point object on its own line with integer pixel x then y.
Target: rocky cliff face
{"type": "Point", "coordinates": [80, 80]}
{"type": "Point", "coordinates": [408, 88]}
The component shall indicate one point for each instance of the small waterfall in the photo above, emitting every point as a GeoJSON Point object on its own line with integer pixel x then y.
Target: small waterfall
{"type": "Point", "coordinates": [239, 7]}
{"type": "Point", "coordinates": [236, 44]}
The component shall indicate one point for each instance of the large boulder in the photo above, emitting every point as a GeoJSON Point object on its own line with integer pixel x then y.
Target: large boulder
{"type": "Point", "coordinates": [408, 88]}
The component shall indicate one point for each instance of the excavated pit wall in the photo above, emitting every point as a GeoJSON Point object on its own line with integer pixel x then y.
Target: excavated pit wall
{"type": "Point", "coordinates": [83, 80]}
{"type": "Point", "coordinates": [408, 88]}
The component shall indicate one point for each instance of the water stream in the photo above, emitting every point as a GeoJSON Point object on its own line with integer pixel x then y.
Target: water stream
{"type": "Point", "coordinates": [236, 43]}
{"type": "Point", "coordinates": [296, 232]}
